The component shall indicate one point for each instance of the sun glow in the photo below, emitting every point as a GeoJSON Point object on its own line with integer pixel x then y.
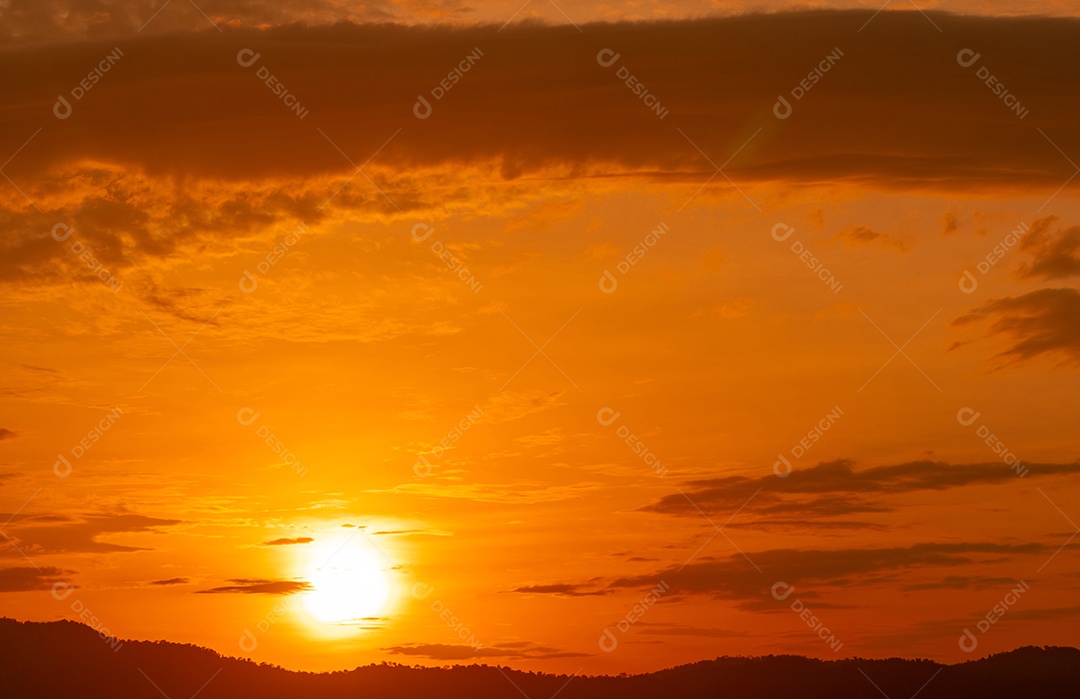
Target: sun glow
{"type": "Point", "coordinates": [349, 582]}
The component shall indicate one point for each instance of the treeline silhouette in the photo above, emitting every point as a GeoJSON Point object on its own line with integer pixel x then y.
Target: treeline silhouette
{"type": "Point", "coordinates": [68, 660]}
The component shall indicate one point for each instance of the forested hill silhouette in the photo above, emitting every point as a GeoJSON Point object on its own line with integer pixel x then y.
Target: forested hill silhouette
{"type": "Point", "coordinates": [68, 660]}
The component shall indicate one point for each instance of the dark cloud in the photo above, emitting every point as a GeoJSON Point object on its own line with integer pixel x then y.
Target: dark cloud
{"type": "Point", "coordinates": [808, 525]}
{"type": "Point", "coordinates": [6, 433]}
{"type": "Point", "coordinates": [833, 489]}
{"type": "Point", "coordinates": [259, 587]}
{"type": "Point", "coordinates": [288, 542]}
{"type": "Point", "coordinates": [735, 578]}
{"type": "Point", "coordinates": [949, 222]}
{"type": "Point", "coordinates": [48, 534]}
{"type": "Point", "coordinates": [171, 581]}
{"type": "Point", "coordinates": [179, 108]}
{"type": "Point", "coordinates": [1055, 253]}
{"type": "Point", "coordinates": [28, 579]}
{"type": "Point", "coordinates": [1043, 322]}
{"type": "Point", "coordinates": [360, 82]}
{"type": "Point", "coordinates": [959, 582]}
{"type": "Point", "coordinates": [560, 589]}
{"type": "Point", "coordinates": [1045, 614]}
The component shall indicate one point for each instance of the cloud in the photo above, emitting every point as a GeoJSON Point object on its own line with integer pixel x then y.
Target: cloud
{"type": "Point", "coordinates": [833, 489]}
{"type": "Point", "coordinates": [508, 406]}
{"type": "Point", "coordinates": [259, 587]}
{"type": "Point", "coordinates": [36, 21]}
{"type": "Point", "coordinates": [28, 579]}
{"type": "Point", "coordinates": [1043, 322]}
{"type": "Point", "coordinates": [735, 578]}
{"type": "Point", "coordinates": [147, 115]}
{"type": "Point", "coordinates": [171, 581]}
{"type": "Point", "coordinates": [560, 589]}
{"type": "Point", "coordinates": [250, 168]}
{"type": "Point", "coordinates": [6, 433]}
{"type": "Point", "coordinates": [288, 542]}
{"type": "Point", "coordinates": [1055, 253]}
{"type": "Point", "coordinates": [959, 582]}
{"type": "Point", "coordinates": [52, 20]}
{"type": "Point", "coordinates": [520, 492]}
{"type": "Point", "coordinates": [950, 223]}
{"type": "Point", "coordinates": [1045, 614]}
{"type": "Point", "coordinates": [861, 235]}
{"type": "Point", "coordinates": [447, 651]}
{"type": "Point", "coordinates": [43, 534]}
{"type": "Point", "coordinates": [412, 532]}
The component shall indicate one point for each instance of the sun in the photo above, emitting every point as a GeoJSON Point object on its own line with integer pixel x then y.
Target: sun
{"type": "Point", "coordinates": [349, 583]}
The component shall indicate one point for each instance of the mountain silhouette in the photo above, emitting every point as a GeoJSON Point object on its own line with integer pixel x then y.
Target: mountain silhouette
{"type": "Point", "coordinates": [68, 660]}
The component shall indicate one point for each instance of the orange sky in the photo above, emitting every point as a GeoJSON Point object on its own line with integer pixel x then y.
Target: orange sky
{"type": "Point", "coordinates": [561, 376]}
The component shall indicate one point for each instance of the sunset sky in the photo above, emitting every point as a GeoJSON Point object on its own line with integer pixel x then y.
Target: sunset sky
{"type": "Point", "coordinates": [336, 333]}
